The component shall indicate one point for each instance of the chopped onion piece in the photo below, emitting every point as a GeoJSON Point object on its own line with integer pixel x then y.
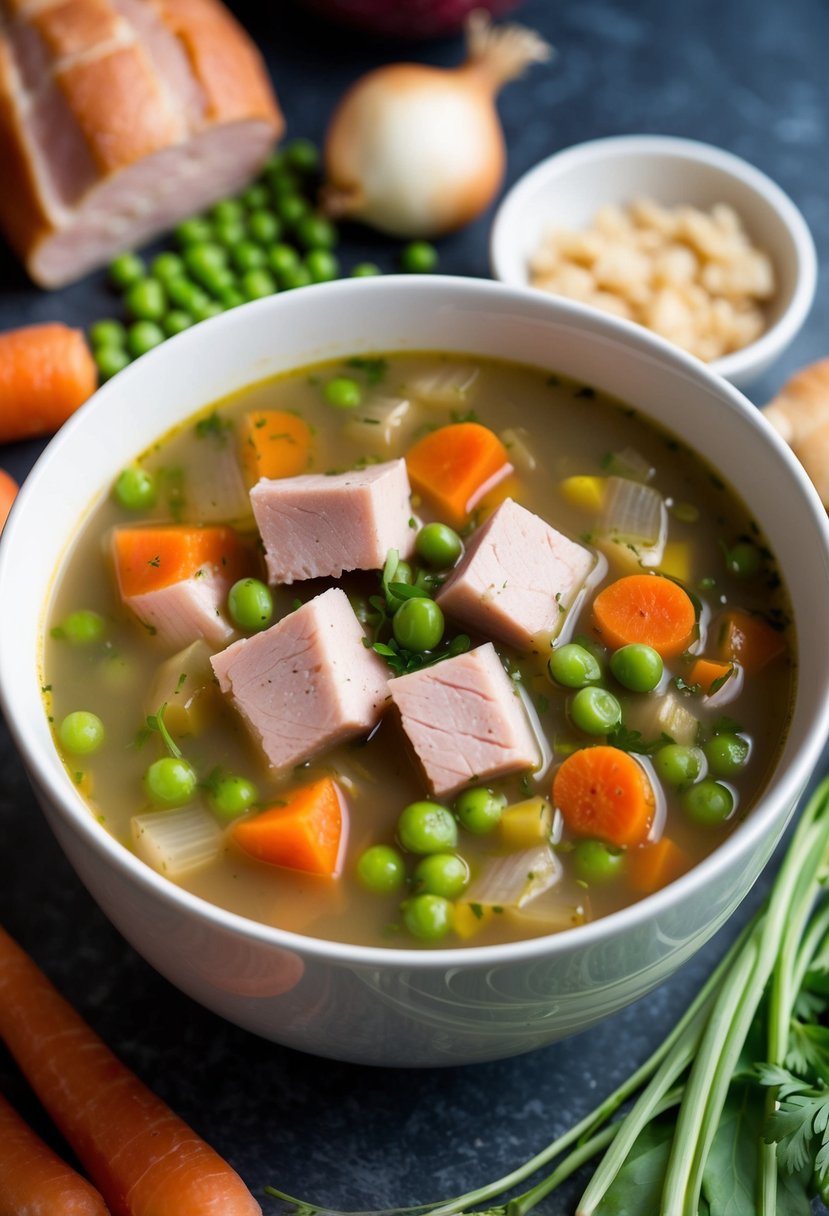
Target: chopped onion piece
{"type": "Point", "coordinates": [556, 909]}
{"type": "Point", "coordinates": [661, 713]}
{"type": "Point", "coordinates": [728, 690]}
{"type": "Point", "coordinates": [630, 464]}
{"type": "Point", "coordinates": [517, 441]}
{"type": "Point", "coordinates": [635, 516]}
{"type": "Point", "coordinates": [445, 387]}
{"type": "Point", "coordinates": [380, 424]}
{"type": "Point", "coordinates": [515, 880]}
{"type": "Point", "coordinates": [219, 493]}
{"type": "Point", "coordinates": [176, 842]}
{"type": "Point", "coordinates": [186, 686]}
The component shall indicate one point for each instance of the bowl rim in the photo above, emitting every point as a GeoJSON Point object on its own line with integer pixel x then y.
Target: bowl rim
{"type": "Point", "coordinates": [786, 785]}
{"type": "Point", "coordinates": [740, 363]}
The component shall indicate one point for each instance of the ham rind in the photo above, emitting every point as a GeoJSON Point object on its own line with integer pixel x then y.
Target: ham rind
{"type": "Point", "coordinates": [517, 580]}
{"type": "Point", "coordinates": [465, 721]}
{"type": "Point", "coordinates": [307, 683]}
{"type": "Point", "coordinates": [187, 610]}
{"type": "Point", "coordinates": [314, 526]}
{"type": "Point", "coordinates": [119, 117]}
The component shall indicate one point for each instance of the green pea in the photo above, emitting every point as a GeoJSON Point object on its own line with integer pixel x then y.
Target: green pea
{"type": "Point", "coordinates": [125, 270]}
{"type": "Point", "coordinates": [256, 196]}
{"type": "Point", "coordinates": [250, 604]}
{"type": "Point", "coordinates": [83, 627]}
{"type": "Point", "coordinates": [110, 360]}
{"type": "Point", "coordinates": [295, 276]}
{"type": "Point", "coordinates": [316, 232]}
{"type": "Point", "coordinates": [81, 732]}
{"type": "Point", "coordinates": [282, 257]}
{"type": "Point", "coordinates": [365, 270]}
{"type": "Point", "coordinates": [418, 625]}
{"type": "Point", "coordinates": [677, 765]}
{"type": "Point", "coordinates": [170, 781]}
{"type": "Point", "coordinates": [205, 259]}
{"type": "Point", "coordinates": [708, 803]}
{"type": "Point", "coordinates": [186, 295]}
{"type": "Point", "coordinates": [107, 333]}
{"type": "Point", "coordinates": [135, 488]}
{"type": "Point", "coordinates": [343, 393]}
{"type": "Point", "coordinates": [291, 208]}
{"type": "Point", "coordinates": [203, 312]}
{"type": "Point", "coordinates": [428, 917]}
{"type": "Point", "coordinates": [227, 210]}
{"type": "Point", "coordinates": [637, 667]}
{"type": "Point", "coordinates": [264, 227]}
{"type": "Point", "coordinates": [145, 300]}
{"type": "Point", "coordinates": [176, 322]}
{"type": "Point", "coordinates": [256, 284]}
{"type": "Point", "coordinates": [744, 559]}
{"type": "Point", "coordinates": [232, 795]}
{"type": "Point", "coordinates": [439, 545]}
{"type": "Point", "coordinates": [168, 266]}
{"type": "Point", "coordinates": [229, 233]}
{"type": "Point", "coordinates": [194, 231]}
{"type": "Point", "coordinates": [381, 869]}
{"type": "Point", "coordinates": [596, 862]}
{"type": "Point", "coordinates": [427, 827]}
{"type": "Point", "coordinates": [142, 336]}
{"type": "Point", "coordinates": [117, 671]}
{"type": "Point", "coordinates": [444, 874]}
{"type": "Point", "coordinates": [573, 666]}
{"type": "Point", "coordinates": [595, 711]}
{"type": "Point", "coordinates": [726, 754]}
{"type": "Point", "coordinates": [247, 255]}
{"type": "Point", "coordinates": [283, 183]}
{"type": "Point", "coordinates": [479, 810]}
{"type": "Point", "coordinates": [419, 257]}
{"type": "Point", "coordinates": [231, 297]}
{"type": "Point", "coordinates": [321, 265]}
{"type": "Point", "coordinates": [302, 154]}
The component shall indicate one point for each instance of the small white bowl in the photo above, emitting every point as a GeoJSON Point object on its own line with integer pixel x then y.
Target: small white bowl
{"type": "Point", "coordinates": [568, 188]}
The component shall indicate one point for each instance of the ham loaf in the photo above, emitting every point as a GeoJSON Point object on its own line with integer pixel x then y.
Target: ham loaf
{"type": "Point", "coordinates": [118, 118]}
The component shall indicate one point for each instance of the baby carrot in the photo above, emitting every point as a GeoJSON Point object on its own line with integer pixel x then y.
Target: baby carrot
{"type": "Point", "coordinates": [603, 792]}
{"type": "Point", "coordinates": [33, 1180]}
{"type": "Point", "coordinates": [303, 833]}
{"type": "Point", "coordinates": [648, 609]}
{"type": "Point", "coordinates": [455, 466]}
{"type": "Point", "coordinates": [143, 1159]}
{"type": "Point", "coordinates": [8, 493]}
{"type": "Point", "coordinates": [46, 372]}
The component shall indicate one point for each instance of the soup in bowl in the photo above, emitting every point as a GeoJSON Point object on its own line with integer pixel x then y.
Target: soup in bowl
{"type": "Point", "coordinates": [419, 674]}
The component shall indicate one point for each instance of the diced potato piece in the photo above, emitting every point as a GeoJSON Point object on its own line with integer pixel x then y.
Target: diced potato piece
{"type": "Point", "coordinates": [176, 842]}
{"type": "Point", "coordinates": [586, 493]}
{"type": "Point", "coordinates": [469, 919]}
{"type": "Point", "coordinates": [382, 424]}
{"type": "Point", "coordinates": [186, 685]}
{"type": "Point", "coordinates": [676, 561]}
{"type": "Point", "coordinates": [525, 824]}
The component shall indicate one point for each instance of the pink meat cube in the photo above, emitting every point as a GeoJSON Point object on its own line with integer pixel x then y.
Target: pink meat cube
{"type": "Point", "coordinates": [314, 526]}
{"type": "Point", "coordinates": [190, 609]}
{"type": "Point", "coordinates": [465, 720]}
{"type": "Point", "coordinates": [306, 683]}
{"type": "Point", "coordinates": [517, 579]}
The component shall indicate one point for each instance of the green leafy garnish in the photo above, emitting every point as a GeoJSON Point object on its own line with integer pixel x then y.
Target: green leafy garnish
{"type": "Point", "coordinates": [156, 722]}
{"type": "Point", "coordinates": [374, 369]}
{"type": "Point", "coordinates": [214, 426]}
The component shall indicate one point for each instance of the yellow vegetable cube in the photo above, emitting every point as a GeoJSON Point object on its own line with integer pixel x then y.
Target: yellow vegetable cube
{"type": "Point", "coordinates": [587, 493]}
{"type": "Point", "coordinates": [676, 561]}
{"type": "Point", "coordinates": [469, 919]}
{"type": "Point", "coordinates": [525, 824]}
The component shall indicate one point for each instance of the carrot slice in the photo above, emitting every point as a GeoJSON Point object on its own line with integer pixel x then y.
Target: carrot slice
{"type": "Point", "coordinates": [8, 493]}
{"type": "Point", "coordinates": [455, 466]}
{"type": "Point", "coordinates": [305, 832]}
{"type": "Point", "coordinates": [143, 1159]}
{"type": "Point", "coordinates": [275, 443]}
{"type": "Point", "coordinates": [749, 640]}
{"type": "Point", "coordinates": [645, 608]}
{"type": "Point", "coordinates": [603, 792]}
{"type": "Point", "coordinates": [706, 673]}
{"type": "Point", "coordinates": [147, 559]}
{"type": "Point", "coordinates": [34, 1180]}
{"type": "Point", "coordinates": [46, 372]}
{"type": "Point", "coordinates": [655, 865]}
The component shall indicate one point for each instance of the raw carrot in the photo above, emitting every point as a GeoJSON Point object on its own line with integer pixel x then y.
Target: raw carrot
{"type": "Point", "coordinates": [653, 866]}
{"type": "Point", "coordinates": [8, 493]}
{"type": "Point", "coordinates": [603, 792]}
{"type": "Point", "coordinates": [455, 466]}
{"type": "Point", "coordinates": [46, 372]}
{"type": "Point", "coordinates": [275, 443]}
{"type": "Point", "coordinates": [645, 608]}
{"type": "Point", "coordinates": [143, 1159]}
{"type": "Point", "coordinates": [147, 559]}
{"type": "Point", "coordinates": [749, 640]}
{"type": "Point", "coordinates": [33, 1180]}
{"type": "Point", "coordinates": [305, 832]}
{"type": "Point", "coordinates": [706, 673]}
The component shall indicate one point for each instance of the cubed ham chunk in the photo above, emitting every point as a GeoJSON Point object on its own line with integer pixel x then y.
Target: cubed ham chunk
{"type": "Point", "coordinates": [517, 579]}
{"type": "Point", "coordinates": [314, 526]}
{"type": "Point", "coordinates": [307, 683]}
{"type": "Point", "coordinates": [465, 720]}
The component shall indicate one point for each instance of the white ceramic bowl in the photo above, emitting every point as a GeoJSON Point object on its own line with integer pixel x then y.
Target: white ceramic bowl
{"type": "Point", "coordinates": [569, 187]}
{"type": "Point", "coordinates": [392, 1006]}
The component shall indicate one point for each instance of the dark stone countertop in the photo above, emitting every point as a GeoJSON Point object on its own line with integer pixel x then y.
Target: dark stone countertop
{"type": "Point", "coordinates": [749, 76]}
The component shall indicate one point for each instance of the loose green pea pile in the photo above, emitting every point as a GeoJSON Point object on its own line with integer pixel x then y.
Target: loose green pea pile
{"type": "Point", "coordinates": [267, 240]}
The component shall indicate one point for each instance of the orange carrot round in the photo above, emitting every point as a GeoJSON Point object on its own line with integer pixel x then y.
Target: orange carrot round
{"type": "Point", "coordinates": [645, 608]}
{"type": "Point", "coordinates": [46, 372]}
{"type": "Point", "coordinates": [8, 493]}
{"type": "Point", "coordinates": [34, 1180]}
{"type": "Point", "coordinates": [603, 792]}
{"type": "Point", "coordinates": [143, 1159]}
